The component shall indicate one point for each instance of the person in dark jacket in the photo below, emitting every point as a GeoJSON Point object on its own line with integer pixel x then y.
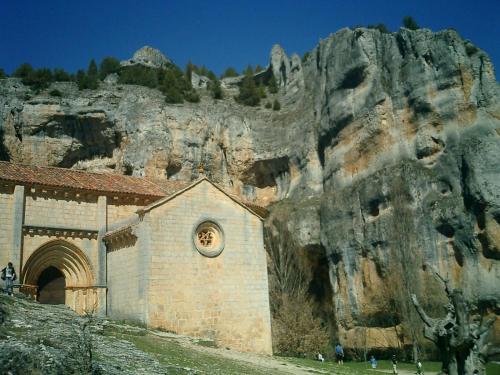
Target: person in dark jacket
{"type": "Point", "coordinates": [394, 364]}
{"type": "Point", "coordinates": [9, 276]}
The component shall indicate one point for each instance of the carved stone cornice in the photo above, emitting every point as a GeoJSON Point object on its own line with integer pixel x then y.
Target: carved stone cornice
{"type": "Point", "coordinates": [120, 238]}
{"type": "Point", "coordinates": [59, 231]}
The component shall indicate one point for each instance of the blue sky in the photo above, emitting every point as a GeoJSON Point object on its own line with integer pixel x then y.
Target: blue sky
{"type": "Point", "coordinates": [67, 34]}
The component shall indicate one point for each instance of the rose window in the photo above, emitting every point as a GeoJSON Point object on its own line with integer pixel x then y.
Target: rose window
{"type": "Point", "coordinates": [209, 239]}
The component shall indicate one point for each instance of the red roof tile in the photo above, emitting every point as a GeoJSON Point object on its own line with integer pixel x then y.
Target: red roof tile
{"type": "Point", "coordinates": [98, 182]}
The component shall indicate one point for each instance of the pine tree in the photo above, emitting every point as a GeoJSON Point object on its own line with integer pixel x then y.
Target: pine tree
{"type": "Point", "coordinates": [276, 105]}
{"type": "Point", "coordinates": [215, 89]}
{"type": "Point", "coordinates": [248, 70]}
{"type": "Point", "coordinates": [81, 79]}
{"type": "Point", "coordinates": [2, 74]}
{"type": "Point", "coordinates": [92, 69]}
{"type": "Point", "coordinates": [262, 90]}
{"type": "Point", "coordinates": [38, 79]}
{"type": "Point", "coordinates": [60, 75]}
{"type": "Point", "coordinates": [249, 94]}
{"type": "Point", "coordinates": [410, 23]}
{"type": "Point", "coordinates": [23, 70]}
{"type": "Point", "coordinates": [273, 85]}
{"type": "Point", "coordinates": [230, 72]}
{"type": "Point", "coordinates": [109, 65]}
{"type": "Point", "coordinates": [211, 76]}
{"type": "Point", "coordinates": [203, 71]}
{"type": "Point", "coordinates": [92, 75]}
{"type": "Point", "coordinates": [139, 75]}
{"type": "Point", "coordinates": [171, 88]}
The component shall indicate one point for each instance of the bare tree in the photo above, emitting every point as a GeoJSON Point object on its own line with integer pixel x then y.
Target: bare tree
{"type": "Point", "coordinates": [84, 343]}
{"type": "Point", "coordinates": [296, 331]}
{"type": "Point", "coordinates": [461, 336]}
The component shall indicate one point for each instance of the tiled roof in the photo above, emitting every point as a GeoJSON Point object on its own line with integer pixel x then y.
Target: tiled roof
{"type": "Point", "coordinates": [98, 182]}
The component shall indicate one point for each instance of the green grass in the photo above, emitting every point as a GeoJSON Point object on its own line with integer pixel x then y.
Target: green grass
{"type": "Point", "coordinates": [493, 369]}
{"type": "Point", "coordinates": [170, 353]}
{"type": "Point", "coordinates": [363, 368]}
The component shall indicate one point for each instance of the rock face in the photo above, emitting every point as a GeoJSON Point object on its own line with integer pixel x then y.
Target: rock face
{"type": "Point", "coordinates": [148, 56]}
{"type": "Point", "coordinates": [382, 160]}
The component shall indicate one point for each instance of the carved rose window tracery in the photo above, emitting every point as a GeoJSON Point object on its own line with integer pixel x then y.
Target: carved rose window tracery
{"type": "Point", "coordinates": [209, 239]}
{"type": "Point", "coordinates": [206, 238]}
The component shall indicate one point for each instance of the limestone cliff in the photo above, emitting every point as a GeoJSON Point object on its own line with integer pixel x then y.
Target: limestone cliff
{"type": "Point", "coordinates": [382, 161]}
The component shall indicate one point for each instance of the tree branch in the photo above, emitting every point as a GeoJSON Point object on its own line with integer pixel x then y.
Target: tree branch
{"type": "Point", "coordinates": [428, 321]}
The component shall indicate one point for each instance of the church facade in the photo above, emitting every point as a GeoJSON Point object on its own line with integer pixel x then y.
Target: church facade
{"type": "Point", "coordinates": [184, 257]}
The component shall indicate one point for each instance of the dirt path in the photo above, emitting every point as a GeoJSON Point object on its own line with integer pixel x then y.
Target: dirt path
{"type": "Point", "coordinates": [261, 362]}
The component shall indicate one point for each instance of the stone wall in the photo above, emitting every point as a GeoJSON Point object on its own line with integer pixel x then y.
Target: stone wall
{"type": "Point", "coordinates": [224, 297]}
{"type": "Point", "coordinates": [127, 282]}
{"type": "Point", "coordinates": [119, 212]}
{"type": "Point", "coordinates": [47, 208]}
{"type": "Point", "coordinates": [5, 223]}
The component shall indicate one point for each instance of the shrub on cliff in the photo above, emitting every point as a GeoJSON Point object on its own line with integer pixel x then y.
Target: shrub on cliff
{"type": "Point", "coordinates": [272, 85]}
{"type": "Point", "coordinates": [249, 93]}
{"type": "Point", "coordinates": [55, 93]}
{"type": "Point", "coordinates": [38, 79]}
{"type": "Point", "coordinates": [109, 65]}
{"type": "Point", "coordinates": [171, 86]}
{"type": "Point", "coordinates": [276, 105]}
{"type": "Point", "coordinates": [380, 27]}
{"type": "Point", "coordinates": [139, 75]}
{"type": "Point", "coordinates": [410, 23]}
{"type": "Point", "coordinates": [89, 79]}
{"type": "Point", "coordinates": [23, 70]}
{"type": "Point", "coordinates": [60, 75]}
{"type": "Point", "coordinates": [2, 74]}
{"type": "Point", "coordinates": [215, 89]}
{"type": "Point", "coordinates": [230, 72]}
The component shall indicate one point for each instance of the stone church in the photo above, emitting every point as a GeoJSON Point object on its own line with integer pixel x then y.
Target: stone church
{"type": "Point", "coordinates": [184, 257]}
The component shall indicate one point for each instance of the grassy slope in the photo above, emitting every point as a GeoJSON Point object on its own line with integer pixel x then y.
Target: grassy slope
{"type": "Point", "coordinates": [27, 321]}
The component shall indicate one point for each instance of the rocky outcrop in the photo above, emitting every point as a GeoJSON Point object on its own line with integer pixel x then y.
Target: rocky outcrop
{"type": "Point", "coordinates": [384, 157]}
{"type": "Point", "coordinates": [148, 56]}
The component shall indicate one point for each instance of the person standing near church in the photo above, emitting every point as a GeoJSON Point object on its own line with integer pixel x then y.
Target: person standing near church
{"type": "Point", "coordinates": [9, 276]}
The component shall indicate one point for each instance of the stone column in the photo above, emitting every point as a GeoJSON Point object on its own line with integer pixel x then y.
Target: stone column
{"type": "Point", "coordinates": [16, 247]}
{"type": "Point", "coordinates": [102, 225]}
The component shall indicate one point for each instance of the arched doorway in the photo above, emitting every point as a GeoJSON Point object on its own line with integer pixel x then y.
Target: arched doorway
{"type": "Point", "coordinates": [51, 287]}
{"type": "Point", "coordinates": [60, 273]}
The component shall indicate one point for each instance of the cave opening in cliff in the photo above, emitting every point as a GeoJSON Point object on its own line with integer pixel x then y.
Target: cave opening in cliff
{"type": "Point", "coordinates": [320, 288]}
{"type": "Point", "coordinates": [51, 287]}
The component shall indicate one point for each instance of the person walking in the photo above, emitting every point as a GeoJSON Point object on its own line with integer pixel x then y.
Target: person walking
{"type": "Point", "coordinates": [9, 276]}
{"type": "Point", "coordinates": [373, 362]}
{"type": "Point", "coordinates": [394, 365]}
{"type": "Point", "coordinates": [339, 353]}
{"type": "Point", "coordinates": [419, 368]}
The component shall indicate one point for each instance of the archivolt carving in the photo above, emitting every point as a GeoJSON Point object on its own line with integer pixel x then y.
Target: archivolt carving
{"type": "Point", "coordinates": [66, 257]}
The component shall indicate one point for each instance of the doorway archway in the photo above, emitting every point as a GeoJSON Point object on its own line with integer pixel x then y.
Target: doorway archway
{"type": "Point", "coordinates": [51, 287]}
{"type": "Point", "coordinates": [60, 273]}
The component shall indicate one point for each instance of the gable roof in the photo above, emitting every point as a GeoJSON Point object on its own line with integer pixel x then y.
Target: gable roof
{"type": "Point", "coordinates": [95, 182]}
{"type": "Point", "coordinates": [258, 211]}
{"type": "Point", "coordinates": [163, 190]}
